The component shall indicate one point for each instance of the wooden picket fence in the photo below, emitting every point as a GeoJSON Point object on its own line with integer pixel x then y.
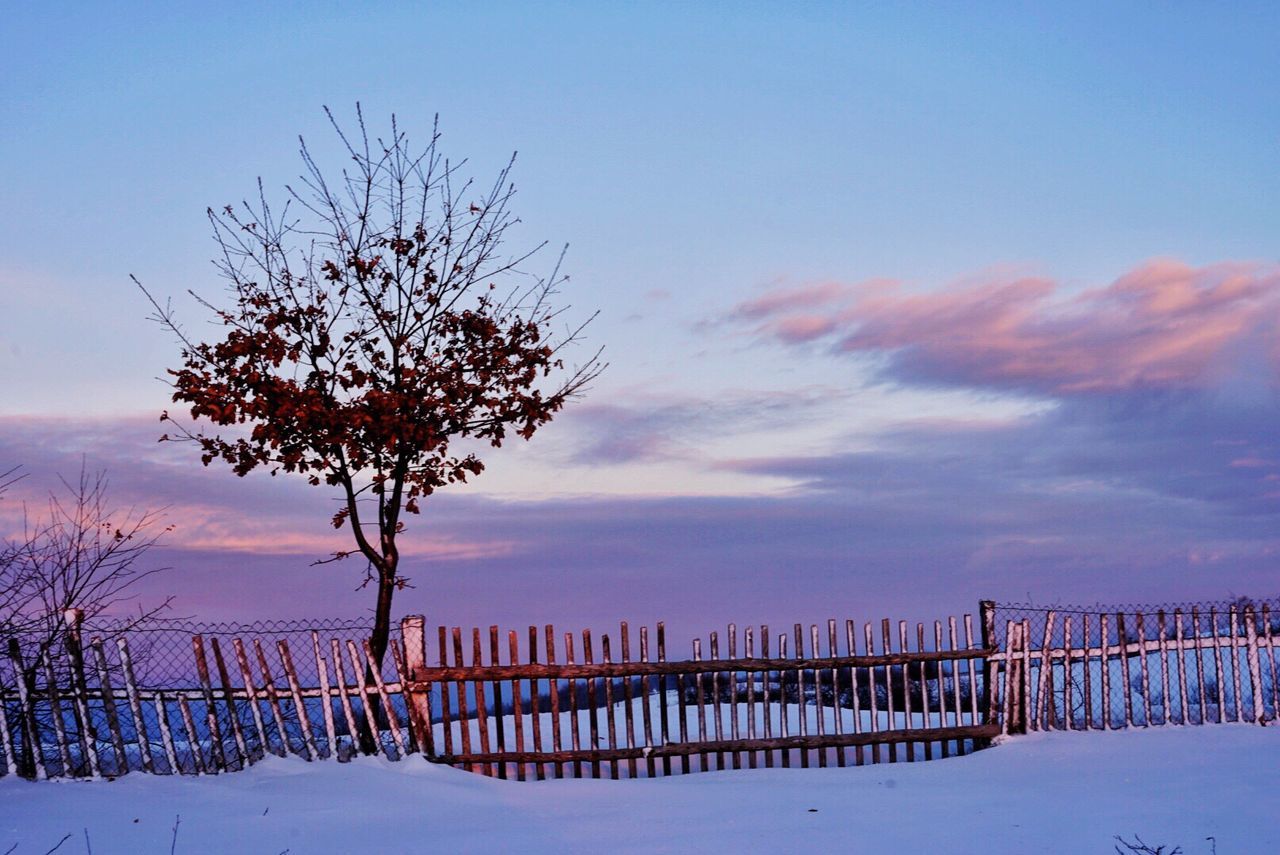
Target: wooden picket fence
{"type": "Point", "coordinates": [644, 717]}
{"type": "Point", "coordinates": [1088, 670]}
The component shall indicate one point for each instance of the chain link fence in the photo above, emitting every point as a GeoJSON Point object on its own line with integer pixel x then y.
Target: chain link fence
{"type": "Point", "coordinates": [1167, 674]}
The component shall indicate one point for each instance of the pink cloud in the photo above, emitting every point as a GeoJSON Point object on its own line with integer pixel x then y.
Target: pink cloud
{"type": "Point", "coordinates": [1164, 325]}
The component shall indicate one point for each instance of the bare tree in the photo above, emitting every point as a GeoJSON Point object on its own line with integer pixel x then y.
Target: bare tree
{"type": "Point", "coordinates": [82, 554]}
{"type": "Point", "coordinates": [371, 320]}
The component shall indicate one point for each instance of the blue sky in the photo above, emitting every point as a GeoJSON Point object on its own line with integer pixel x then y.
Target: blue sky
{"type": "Point", "coordinates": [1089, 194]}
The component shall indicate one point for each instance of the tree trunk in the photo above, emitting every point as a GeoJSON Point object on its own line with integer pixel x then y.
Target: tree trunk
{"type": "Point", "coordinates": [378, 642]}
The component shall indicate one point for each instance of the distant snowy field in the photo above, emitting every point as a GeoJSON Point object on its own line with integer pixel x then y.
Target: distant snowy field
{"type": "Point", "coordinates": [1053, 793]}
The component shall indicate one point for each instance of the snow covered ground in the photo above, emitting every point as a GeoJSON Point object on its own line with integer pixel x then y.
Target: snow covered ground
{"type": "Point", "coordinates": [1053, 793]}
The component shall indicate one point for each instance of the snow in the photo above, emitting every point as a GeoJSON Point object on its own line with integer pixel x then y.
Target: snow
{"type": "Point", "coordinates": [1050, 793]}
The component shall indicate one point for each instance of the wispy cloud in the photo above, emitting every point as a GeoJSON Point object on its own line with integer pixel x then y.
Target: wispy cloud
{"type": "Point", "coordinates": [1164, 325]}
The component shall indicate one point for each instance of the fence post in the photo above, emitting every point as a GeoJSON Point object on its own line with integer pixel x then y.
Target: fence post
{"type": "Point", "coordinates": [1019, 700]}
{"type": "Point", "coordinates": [413, 634]}
{"type": "Point", "coordinates": [988, 614]}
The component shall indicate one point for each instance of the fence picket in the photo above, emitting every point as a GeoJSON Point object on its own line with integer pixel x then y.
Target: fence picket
{"type": "Point", "coordinates": [300, 707]}
{"type": "Point", "coordinates": [550, 634]}
{"type": "Point", "coordinates": [166, 735]}
{"type": "Point", "coordinates": [1271, 660]}
{"type": "Point", "coordinates": [783, 723]}
{"type": "Point", "coordinates": [460, 689]}
{"type": "Point", "coordinates": [819, 716]}
{"type": "Point", "coordinates": [734, 694]}
{"type": "Point", "coordinates": [344, 696]}
{"type": "Point", "coordinates": [868, 638]}
{"type": "Point", "coordinates": [109, 706]}
{"type": "Point", "coordinates": [833, 652]}
{"type": "Point", "coordinates": [767, 699]}
{"type": "Point", "coordinates": [1235, 662]}
{"type": "Point", "coordinates": [1219, 677]}
{"type": "Point", "coordinates": [393, 724]}
{"type": "Point", "coordinates": [593, 721]}
{"type": "Point", "coordinates": [645, 713]}
{"type": "Point", "coordinates": [1144, 671]}
{"type": "Point", "coordinates": [135, 705]}
{"type": "Point", "coordinates": [229, 699]}
{"type": "Point", "coordinates": [1199, 649]}
{"type": "Point", "coordinates": [628, 695]}
{"type": "Point", "coordinates": [1255, 670]}
{"type": "Point", "coordinates": [1180, 646]}
{"type": "Point", "coordinates": [6, 740]}
{"type": "Point", "coordinates": [247, 676]}
{"type": "Point", "coordinates": [326, 697]}
{"type": "Point", "coordinates": [1163, 639]}
{"type": "Point", "coordinates": [413, 724]}
{"type": "Point", "coordinates": [718, 729]}
{"type": "Point", "coordinates": [535, 705]}
{"type": "Point", "coordinates": [1066, 673]}
{"type": "Point", "coordinates": [218, 760]}
{"type": "Point", "coordinates": [701, 700]}
{"type": "Point", "coordinates": [802, 701]}
{"type": "Point", "coordinates": [55, 708]}
{"type": "Point", "coordinates": [193, 738]}
{"type": "Point", "coordinates": [575, 734]}
{"type": "Point", "coordinates": [273, 699]}
{"type": "Point", "coordinates": [1038, 715]}
{"type": "Point", "coordinates": [496, 685]}
{"type": "Point", "coordinates": [851, 649]}
{"type": "Point", "coordinates": [513, 656]}
{"type": "Point", "coordinates": [446, 717]}
{"type": "Point", "coordinates": [610, 717]}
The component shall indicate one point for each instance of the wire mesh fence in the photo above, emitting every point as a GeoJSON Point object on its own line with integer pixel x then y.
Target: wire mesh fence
{"type": "Point", "coordinates": [1102, 667]}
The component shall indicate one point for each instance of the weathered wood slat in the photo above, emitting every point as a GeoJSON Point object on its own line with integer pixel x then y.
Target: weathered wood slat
{"type": "Point", "coordinates": [833, 651]}
{"type": "Point", "coordinates": [344, 695]}
{"type": "Point", "coordinates": [446, 717]}
{"type": "Point", "coordinates": [415, 727]}
{"type": "Point", "coordinates": [109, 706]}
{"type": "Point", "coordinates": [1255, 666]}
{"type": "Point", "coordinates": [1066, 674]}
{"type": "Point", "coordinates": [851, 648]}
{"type": "Point", "coordinates": [413, 631]}
{"type": "Point", "coordinates": [810, 742]}
{"type": "Point", "coordinates": [1087, 673]}
{"type": "Point", "coordinates": [1105, 631]}
{"type": "Point", "coordinates": [218, 758]}
{"type": "Point", "coordinates": [610, 716]}
{"type": "Point", "coordinates": [499, 725]}
{"type": "Point", "coordinates": [1182, 665]}
{"type": "Point", "coordinates": [1200, 684]}
{"type": "Point", "coordinates": [166, 735]}
{"type": "Point", "coordinates": [299, 706]}
{"type": "Point", "coordinates": [766, 700]}
{"type": "Point", "coordinates": [1271, 660]}
{"type": "Point", "coordinates": [701, 701]}
{"type": "Point", "coordinates": [55, 709]}
{"type": "Point", "coordinates": [1219, 677]}
{"type": "Point", "coordinates": [535, 705]}
{"type": "Point", "coordinates": [784, 724]}
{"type": "Point", "coordinates": [886, 648]}
{"type": "Point", "coordinates": [247, 677]}
{"type": "Point", "coordinates": [326, 698]}
{"type": "Point", "coordinates": [482, 701]}
{"type": "Point", "coordinates": [1144, 670]}
{"type": "Point", "coordinates": [513, 656]}
{"type": "Point", "coordinates": [574, 726]}
{"type": "Point", "coordinates": [868, 639]}
{"type": "Point", "coordinates": [628, 694]}
{"type": "Point", "coordinates": [229, 698]}
{"type": "Point", "coordinates": [135, 706]}
{"type": "Point", "coordinates": [1235, 662]}
{"type": "Point", "coordinates": [593, 717]}
{"type": "Point", "coordinates": [6, 740]}
{"type": "Point", "coordinates": [460, 690]}
{"type": "Point", "coordinates": [645, 713]}
{"type": "Point", "coordinates": [393, 724]}
{"type": "Point", "coordinates": [802, 719]}
{"type": "Point", "coordinates": [734, 696]}
{"type": "Point", "coordinates": [273, 699]}
{"type": "Point", "coordinates": [1163, 643]}
{"type": "Point", "coordinates": [193, 738]}
{"type": "Point", "coordinates": [549, 633]}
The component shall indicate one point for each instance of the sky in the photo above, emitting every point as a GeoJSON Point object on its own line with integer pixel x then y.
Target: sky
{"type": "Point", "coordinates": [904, 306]}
